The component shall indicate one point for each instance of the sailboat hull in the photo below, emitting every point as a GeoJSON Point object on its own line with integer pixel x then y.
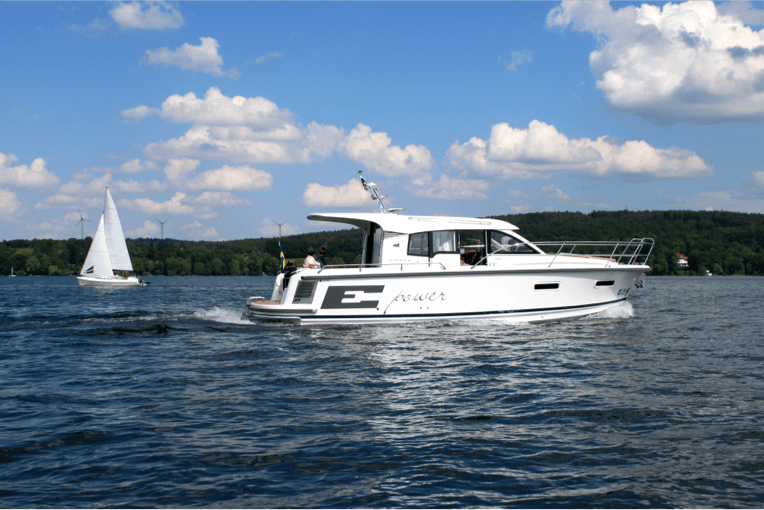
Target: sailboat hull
{"type": "Point", "coordinates": [113, 282]}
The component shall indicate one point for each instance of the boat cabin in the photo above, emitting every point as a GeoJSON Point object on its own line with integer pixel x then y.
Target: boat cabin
{"type": "Point", "coordinates": [451, 241]}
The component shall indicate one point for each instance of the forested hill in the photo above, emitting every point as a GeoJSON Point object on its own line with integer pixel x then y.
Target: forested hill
{"type": "Point", "coordinates": [722, 242]}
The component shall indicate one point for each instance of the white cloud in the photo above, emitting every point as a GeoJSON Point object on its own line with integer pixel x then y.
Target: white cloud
{"type": "Point", "coordinates": [540, 150]}
{"type": "Point", "coordinates": [134, 166]}
{"type": "Point", "coordinates": [518, 57]}
{"type": "Point", "coordinates": [10, 206]}
{"type": "Point", "coordinates": [177, 169]}
{"type": "Point", "coordinates": [342, 195]}
{"type": "Point", "coordinates": [744, 11]}
{"type": "Point", "coordinates": [447, 188]}
{"type": "Point", "coordinates": [171, 206]}
{"type": "Point", "coordinates": [554, 192]}
{"type": "Point", "coordinates": [216, 109]}
{"type": "Point", "coordinates": [219, 199]}
{"type": "Point", "coordinates": [228, 178]}
{"type": "Point", "coordinates": [373, 150]}
{"type": "Point", "coordinates": [138, 113]}
{"type": "Point", "coordinates": [203, 58]}
{"type": "Point", "coordinates": [267, 57]}
{"type": "Point", "coordinates": [149, 229]}
{"type": "Point", "coordinates": [684, 62]}
{"type": "Point", "coordinates": [256, 130]}
{"type": "Point", "coordinates": [147, 15]}
{"type": "Point", "coordinates": [32, 176]}
{"type": "Point", "coordinates": [199, 231]}
{"type": "Point", "coordinates": [97, 186]}
{"type": "Point", "coordinates": [758, 178]}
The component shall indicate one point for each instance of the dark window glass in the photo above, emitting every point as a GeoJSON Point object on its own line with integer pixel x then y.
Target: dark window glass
{"type": "Point", "coordinates": [419, 244]}
{"type": "Point", "coordinates": [501, 242]}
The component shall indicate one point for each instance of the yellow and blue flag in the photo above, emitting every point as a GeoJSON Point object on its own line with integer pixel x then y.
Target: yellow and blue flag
{"type": "Point", "coordinates": [282, 261]}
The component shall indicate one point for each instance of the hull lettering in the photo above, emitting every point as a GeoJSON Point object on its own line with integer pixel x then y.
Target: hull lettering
{"type": "Point", "coordinates": [350, 296]}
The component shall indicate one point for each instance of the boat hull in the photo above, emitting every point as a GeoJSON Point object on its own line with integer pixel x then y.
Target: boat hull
{"type": "Point", "coordinates": [539, 295]}
{"type": "Point", "coordinates": [114, 282]}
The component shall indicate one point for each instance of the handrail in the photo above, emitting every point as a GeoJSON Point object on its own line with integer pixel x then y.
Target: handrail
{"type": "Point", "coordinates": [369, 266]}
{"type": "Point", "coordinates": [631, 252]}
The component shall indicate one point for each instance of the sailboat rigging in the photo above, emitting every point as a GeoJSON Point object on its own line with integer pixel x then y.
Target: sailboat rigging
{"type": "Point", "coordinates": [108, 253]}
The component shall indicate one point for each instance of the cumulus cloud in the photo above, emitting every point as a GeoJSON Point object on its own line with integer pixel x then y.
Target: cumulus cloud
{"type": "Point", "coordinates": [255, 130]}
{"type": "Point", "coordinates": [147, 15]}
{"type": "Point", "coordinates": [228, 178]}
{"type": "Point", "coordinates": [684, 62]}
{"type": "Point", "coordinates": [199, 231]}
{"type": "Point", "coordinates": [172, 206]}
{"type": "Point", "coordinates": [447, 188]}
{"type": "Point", "coordinates": [554, 192]}
{"type": "Point", "coordinates": [149, 229]}
{"type": "Point", "coordinates": [219, 199]}
{"type": "Point", "coordinates": [31, 176]}
{"type": "Point", "coordinates": [97, 186]}
{"type": "Point", "coordinates": [758, 178]}
{"type": "Point", "coordinates": [541, 150]}
{"type": "Point", "coordinates": [10, 206]}
{"type": "Point", "coordinates": [138, 113]}
{"type": "Point", "coordinates": [344, 195]}
{"type": "Point", "coordinates": [134, 166]}
{"type": "Point", "coordinates": [203, 58]}
{"type": "Point", "coordinates": [241, 130]}
{"type": "Point", "coordinates": [217, 109]}
{"type": "Point", "coordinates": [373, 150]}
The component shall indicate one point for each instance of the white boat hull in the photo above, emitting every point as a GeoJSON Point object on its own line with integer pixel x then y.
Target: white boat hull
{"type": "Point", "coordinates": [345, 296]}
{"type": "Point", "coordinates": [113, 282]}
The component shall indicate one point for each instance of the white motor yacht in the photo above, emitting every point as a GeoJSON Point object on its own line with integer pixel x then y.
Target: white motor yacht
{"type": "Point", "coordinates": [420, 268]}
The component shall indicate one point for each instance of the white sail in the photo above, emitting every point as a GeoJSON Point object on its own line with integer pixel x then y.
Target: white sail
{"type": "Point", "coordinates": [97, 262]}
{"type": "Point", "coordinates": [115, 239]}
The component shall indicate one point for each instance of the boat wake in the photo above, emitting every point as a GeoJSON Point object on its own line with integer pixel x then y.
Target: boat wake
{"type": "Point", "coordinates": [623, 310]}
{"type": "Point", "coordinates": [220, 315]}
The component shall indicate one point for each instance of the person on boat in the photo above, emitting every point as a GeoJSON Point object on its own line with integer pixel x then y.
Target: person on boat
{"type": "Point", "coordinates": [310, 261]}
{"type": "Point", "coordinates": [322, 256]}
{"type": "Point", "coordinates": [288, 270]}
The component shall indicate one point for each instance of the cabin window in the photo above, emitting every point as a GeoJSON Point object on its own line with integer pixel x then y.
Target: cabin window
{"type": "Point", "coordinates": [501, 242]}
{"type": "Point", "coordinates": [444, 242]}
{"type": "Point", "coordinates": [471, 246]}
{"type": "Point", "coordinates": [419, 244]}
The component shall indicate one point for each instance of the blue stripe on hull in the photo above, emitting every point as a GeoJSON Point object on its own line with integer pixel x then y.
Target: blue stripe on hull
{"type": "Point", "coordinates": [455, 315]}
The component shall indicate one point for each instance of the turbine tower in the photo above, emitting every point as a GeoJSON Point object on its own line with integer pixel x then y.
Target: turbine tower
{"type": "Point", "coordinates": [279, 224]}
{"type": "Point", "coordinates": [162, 223]}
{"type": "Point", "coordinates": [82, 223]}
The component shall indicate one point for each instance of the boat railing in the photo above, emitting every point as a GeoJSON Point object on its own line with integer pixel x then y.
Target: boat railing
{"type": "Point", "coordinates": [361, 267]}
{"type": "Point", "coordinates": [634, 252]}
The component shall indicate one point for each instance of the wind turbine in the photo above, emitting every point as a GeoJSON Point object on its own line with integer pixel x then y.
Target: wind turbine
{"type": "Point", "coordinates": [162, 222]}
{"type": "Point", "coordinates": [279, 224]}
{"type": "Point", "coordinates": [82, 223]}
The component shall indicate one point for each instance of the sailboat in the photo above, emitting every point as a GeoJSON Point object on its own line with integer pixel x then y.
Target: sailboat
{"type": "Point", "coordinates": [12, 273]}
{"type": "Point", "coordinates": [108, 253]}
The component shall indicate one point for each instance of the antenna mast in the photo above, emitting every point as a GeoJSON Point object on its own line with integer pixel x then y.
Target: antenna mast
{"type": "Point", "coordinates": [374, 191]}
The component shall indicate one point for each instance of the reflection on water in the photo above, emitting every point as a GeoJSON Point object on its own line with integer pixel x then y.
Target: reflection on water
{"type": "Point", "coordinates": [164, 396]}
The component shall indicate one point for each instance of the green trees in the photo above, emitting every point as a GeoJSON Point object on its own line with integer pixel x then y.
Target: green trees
{"type": "Point", "coordinates": [722, 242]}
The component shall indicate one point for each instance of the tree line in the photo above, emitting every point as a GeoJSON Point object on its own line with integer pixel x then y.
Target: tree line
{"type": "Point", "coordinates": [724, 243]}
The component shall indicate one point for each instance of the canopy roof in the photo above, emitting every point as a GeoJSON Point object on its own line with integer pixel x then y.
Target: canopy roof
{"type": "Point", "coordinates": [406, 224]}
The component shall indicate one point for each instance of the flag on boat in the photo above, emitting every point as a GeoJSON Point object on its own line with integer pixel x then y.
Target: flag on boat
{"type": "Point", "coordinates": [282, 262]}
{"type": "Point", "coordinates": [363, 182]}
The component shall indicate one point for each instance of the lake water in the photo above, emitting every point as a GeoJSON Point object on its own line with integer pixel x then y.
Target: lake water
{"type": "Point", "coordinates": [163, 397]}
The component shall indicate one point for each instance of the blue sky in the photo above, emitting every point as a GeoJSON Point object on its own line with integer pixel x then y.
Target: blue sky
{"type": "Point", "coordinates": [226, 117]}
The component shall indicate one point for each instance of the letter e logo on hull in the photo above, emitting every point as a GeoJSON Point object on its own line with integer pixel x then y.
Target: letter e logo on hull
{"type": "Point", "coordinates": [350, 296]}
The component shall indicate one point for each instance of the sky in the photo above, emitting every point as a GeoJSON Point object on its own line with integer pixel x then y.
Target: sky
{"type": "Point", "coordinates": [223, 119]}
